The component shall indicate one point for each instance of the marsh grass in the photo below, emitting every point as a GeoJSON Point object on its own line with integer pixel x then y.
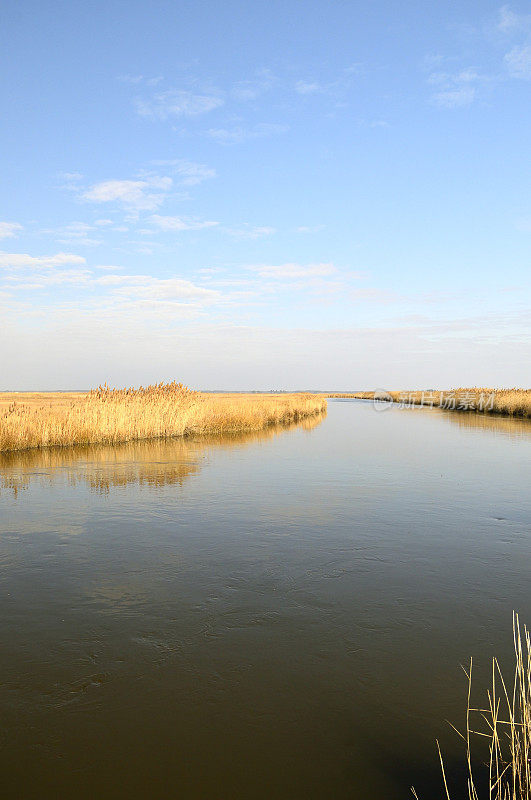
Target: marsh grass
{"type": "Point", "coordinates": [162, 410]}
{"type": "Point", "coordinates": [511, 402]}
{"type": "Point", "coordinates": [504, 726]}
{"type": "Point", "coordinates": [148, 462]}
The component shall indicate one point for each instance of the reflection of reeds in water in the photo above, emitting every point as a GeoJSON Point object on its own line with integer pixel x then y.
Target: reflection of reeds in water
{"type": "Point", "coordinates": [493, 423]}
{"type": "Point", "coordinates": [505, 727]}
{"type": "Point", "coordinates": [152, 463]}
{"type": "Point", "coordinates": [120, 415]}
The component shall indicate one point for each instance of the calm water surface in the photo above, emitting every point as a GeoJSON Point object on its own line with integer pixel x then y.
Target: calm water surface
{"type": "Point", "coordinates": [275, 616]}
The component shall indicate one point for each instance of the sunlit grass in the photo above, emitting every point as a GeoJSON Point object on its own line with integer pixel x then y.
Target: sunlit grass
{"type": "Point", "coordinates": [162, 410]}
{"type": "Point", "coordinates": [513, 402]}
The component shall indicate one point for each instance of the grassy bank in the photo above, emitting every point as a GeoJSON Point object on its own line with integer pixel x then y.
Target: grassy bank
{"type": "Point", "coordinates": [120, 415]}
{"type": "Point", "coordinates": [512, 402]}
{"type": "Point", "coordinates": [147, 462]}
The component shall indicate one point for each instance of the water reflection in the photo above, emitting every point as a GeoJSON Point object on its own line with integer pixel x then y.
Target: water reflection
{"type": "Point", "coordinates": [152, 463]}
{"type": "Point", "coordinates": [514, 427]}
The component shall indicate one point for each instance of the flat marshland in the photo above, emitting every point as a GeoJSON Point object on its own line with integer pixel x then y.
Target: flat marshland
{"type": "Point", "coordinates": [162, 410]}
{"type": "Point", "coordinates": [512, 402]}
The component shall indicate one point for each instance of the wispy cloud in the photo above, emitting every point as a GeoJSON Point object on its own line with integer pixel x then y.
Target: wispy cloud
{"type": "Point", "coordinates": [241, 134]}
{"type": "Point", "coordinates": [9, 229]}
{"type": "Point", "coordinates": [70, 181]}
{"type": "Point", "coordinates": [246, 231]}
{"type": "Point", "coordinates": [189, 173]}
{"type": "Point", "coordinates": [39, 280]}
{"type": "Point", "coordinates": [518, 61]}
{"type": "Point", "coordinates": [292, 271]}
{"type": "Point", "coordinates": [309, 228]}
{"type": "Point", "coordinates": [308, 87]}
{"type": "Point", "coordinates": [516, 27]}
{"type": "Point", "coordinates": [148, 287]}
{"type": "Point", "coordinates": [460, 88]}
{"type": "Point", "coordinates": [336, 89]}
{"type": "Point", "coordinates": [75, 232]}
{"type": "Point", "coordinates": [454, 90]}
{"type": "Point", "coordinates": [178, 103]}
{"type": "Point", "coordinates": [181, 223]}
{"type": "Point", "coordinates": [511, 22]}
{"type": "Point", "coordinates": [136, 80]}
{"type": "Point", "coordinates": [141, 195]}
{"type": "Point", "coordinates": [23, 260]}
{"type": "Point", "coordinates": [251, 89]}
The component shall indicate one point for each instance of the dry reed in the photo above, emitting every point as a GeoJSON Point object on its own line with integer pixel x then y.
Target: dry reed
{"type": "Point", "coordinates": [506, 729]}
{"type": "Point", "coordinates": [148, 462]}
{"type": "Point", "coordinates": [512, 402]}
{"type": "Point", "coordinates": [162, 410]}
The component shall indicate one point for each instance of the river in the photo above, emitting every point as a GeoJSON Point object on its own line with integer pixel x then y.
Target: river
{"type": "Point", "coordinates": [277, 615]}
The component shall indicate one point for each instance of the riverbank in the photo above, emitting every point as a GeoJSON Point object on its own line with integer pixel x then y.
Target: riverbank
{"type": "Point", "coordinates": [511, 402]}
{"type": "Point", "coordinates": [105, 415]}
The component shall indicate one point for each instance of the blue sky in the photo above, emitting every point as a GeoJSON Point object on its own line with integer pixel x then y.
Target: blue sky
{"type": "Point", "coordinates": [265, 194]}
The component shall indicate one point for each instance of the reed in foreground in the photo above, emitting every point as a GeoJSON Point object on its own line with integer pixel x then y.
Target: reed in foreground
{"type": "Point", "coordinates": [512, 402]}
{"type": "Point", "coordinates": [158, 411]}
{"type": "Point", "coordinates": [505, 725]}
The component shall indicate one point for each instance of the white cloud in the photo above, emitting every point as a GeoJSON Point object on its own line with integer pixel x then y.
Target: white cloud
{"type": "Point", "coordinates": [36, 280]}
{"type": "Point", "coordinates": [308, 87]}
{"type": "Point", "coordinates": [147, 287]}
{"type": "Point", "coordinates": [251, 89]}
{"type": "Point", "coordinates": [240, 134]}
{"type": "Point", "coordinates": [246, 231]}
{"type": "Point", "coordinates": [454, 90]}
{"type": "Point", "coordinates": [135, 80]}
{"type": "Point", "coordinates": [518, 62]}
{"type": "Point", "coordinates": [181, 223]}
{"type": "Point", "coordinates": [74, 232]}
{"type": "Point", "coordinates": [337, 90]}
{"type": "Point", "coordinates": [509, 21]}
{"type": "Point", "coordinates": [141, 195]}
{"type": "Point", "coordinates": [23, 260]}
{"type": "Point", "coordinates": [290, 271]}
{"type": "Point", "coordinates": [309, 228]}
{"type": "Point", "coordinates": [178, 103]}
{"type": "Point", "coordinates": [189, 173]}
{"type": "Point", "coordinates": [455, 98]}
{"type": "Point", "coordinates": [9, 229]}
{"type": "Point", "coordinates": [192, 174]}
{"type": "Point", "coordinates": [70, 180]}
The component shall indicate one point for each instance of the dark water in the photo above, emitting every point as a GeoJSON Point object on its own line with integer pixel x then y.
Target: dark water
{"type": "Point", "coordinates": [277, 616]}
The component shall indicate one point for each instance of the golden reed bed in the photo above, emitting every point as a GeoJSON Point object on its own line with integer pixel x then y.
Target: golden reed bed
{"type": "Point", "coordinates": [146, 462]}
{"type": "Point", "coordinates": [159, 411]}
{"type": "Point", "coordinates": [513, 402]}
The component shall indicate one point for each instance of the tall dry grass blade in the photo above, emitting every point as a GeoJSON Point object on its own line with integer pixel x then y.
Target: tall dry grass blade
{"type": "Point", "coordinates": [508, 722]}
